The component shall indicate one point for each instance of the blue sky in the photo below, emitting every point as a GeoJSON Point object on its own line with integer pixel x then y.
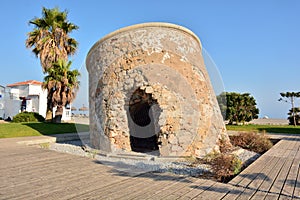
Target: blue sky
{"type": "Point", "coordinates": [254, 44]}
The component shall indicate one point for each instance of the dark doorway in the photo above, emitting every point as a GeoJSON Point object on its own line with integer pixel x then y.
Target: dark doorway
{"type": "Point", "coordinates": [143, 137]}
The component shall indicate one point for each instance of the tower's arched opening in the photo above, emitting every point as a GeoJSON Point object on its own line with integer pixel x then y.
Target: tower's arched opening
{"type": "Point", "coordinates": [143, 114]}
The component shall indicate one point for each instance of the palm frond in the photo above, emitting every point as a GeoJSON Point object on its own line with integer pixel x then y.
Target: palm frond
{"type": "Point", "coordinates": [49, 39]}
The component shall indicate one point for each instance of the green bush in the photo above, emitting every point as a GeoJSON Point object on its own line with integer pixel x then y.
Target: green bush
{"type": "Point", "coordinates": [28, 117]}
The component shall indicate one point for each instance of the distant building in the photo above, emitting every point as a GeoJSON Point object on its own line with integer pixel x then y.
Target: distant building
{"type": "Point", "coordinates": [27, 96]}
{"type": "Point", "coordinates": [2, 91]}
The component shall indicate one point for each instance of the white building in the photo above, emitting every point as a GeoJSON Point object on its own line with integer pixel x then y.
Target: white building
{"type": "Point", "coordinates": [27, 96]}
{"type": "Point", "coordinates": [2, 91]}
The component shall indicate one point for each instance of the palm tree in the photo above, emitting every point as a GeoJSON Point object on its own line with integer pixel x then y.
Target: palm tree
{"type": "Point", "coordinates": [290, 97]}
{"type": "Point", "coordinates": [50, 40]}
{"type": "Point", "coordinates": [62, 85]}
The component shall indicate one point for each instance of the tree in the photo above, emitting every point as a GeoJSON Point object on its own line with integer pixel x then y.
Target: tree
{"type": "Point", "coordinates": [50, 40]}
{"type": "Point", "coordinates": [294, 116]}
{"type": "Point", "coordinates": [62, 85]}
{"type": "Point", "coordinates": [289, 97]}
{"type": "Point", "coordinates": [239, 108]}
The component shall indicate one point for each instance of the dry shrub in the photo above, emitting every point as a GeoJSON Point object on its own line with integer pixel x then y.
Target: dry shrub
{"type": "Point", "coordinates": [225, 145]}
{"type": "Point", "coordinates": [256, 142]}
{"type": "Point", "coordinates": [225, 166]}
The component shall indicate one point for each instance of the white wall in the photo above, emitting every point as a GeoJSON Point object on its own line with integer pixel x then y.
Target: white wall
{"type": "Point", "coordinates": [42, 103]}
{"type": "Point", "coordinates": [19, 91]}
{"type": "Point", "coordinates": [2, 93]}
{"type": "Point", "coordinates": [12, 103]}
{"type": "Point", "coordinates": [34, 90]}
{"type": "Point", "coordinates": [12, 108]}
{"type": "Point", "coordinates": [12, 93]}
{"type": "Point", "coordinates": [29, 105]}
{"type": "Point", "coordinates": [66, 114]}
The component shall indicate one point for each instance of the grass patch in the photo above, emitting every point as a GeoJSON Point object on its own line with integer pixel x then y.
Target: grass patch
{"type": "Point", "coordinates": [266, 128]}
{"type": "Point", "coordinates": [9, 130]}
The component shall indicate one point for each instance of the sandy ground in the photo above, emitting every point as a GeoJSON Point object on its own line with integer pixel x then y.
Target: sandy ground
{"type": "Point", "coordinates": [81, 120]}
{"type": "Point", "coordinates": [270, 121]}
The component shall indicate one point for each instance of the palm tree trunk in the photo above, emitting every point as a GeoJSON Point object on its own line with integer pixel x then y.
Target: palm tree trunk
{"type": "Point", "coordinates": [49, 112]}
{"type": "Point", "coordinates": [49, 115]}
{"type": "Point", "coordinates": [58, 114]}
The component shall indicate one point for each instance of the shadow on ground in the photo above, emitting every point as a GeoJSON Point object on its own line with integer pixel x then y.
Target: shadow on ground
{"type": "Point", "coordinates": [123, 169]}
{"type": "Point", "coordinates": [53, 128]}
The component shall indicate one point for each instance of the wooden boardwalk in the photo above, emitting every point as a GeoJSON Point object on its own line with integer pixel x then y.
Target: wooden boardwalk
{"type": "Point", "coordinates": [33, 173]}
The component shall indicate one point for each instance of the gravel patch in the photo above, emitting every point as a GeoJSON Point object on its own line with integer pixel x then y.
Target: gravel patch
{"type": "Point", "coordinates": [142, 163]}
{"type": "Point", "coordinates": [246, 156]}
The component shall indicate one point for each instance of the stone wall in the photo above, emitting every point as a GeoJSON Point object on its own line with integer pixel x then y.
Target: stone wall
{"type": "Point", "coordinates": [156, 68]}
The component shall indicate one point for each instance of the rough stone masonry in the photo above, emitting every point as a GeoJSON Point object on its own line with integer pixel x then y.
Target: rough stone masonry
{"type": "Point", "coordinates": [149, 92]}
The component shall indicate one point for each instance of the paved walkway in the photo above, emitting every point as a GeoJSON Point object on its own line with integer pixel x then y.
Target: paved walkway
{"type": "Point", "coordinates": [32, 173]}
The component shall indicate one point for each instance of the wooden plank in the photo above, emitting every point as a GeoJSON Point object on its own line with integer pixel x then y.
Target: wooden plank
{"type": "Point", "coordinates": [268, 182]}
{"type": "Point", "coordinates": [247, 192]}
{"type": "Point", "coordinates": [260, 178]}
{"type": "Point", "coordinates": [198, 193]}
{"type": "Point", "coordinates": [283, 197]}
{"type": "Point", "coordinates": [296, 193]}
{"type": "Point", "coordinates": [41, 168]}
{"type": "Point", "coordinates": [142, 185]}
{"type": "Point", "coordinates": [128, 187]}
{"type": "Point", "coordinates": [78, 188]}
{"type": "Point", "coordinates": [35, 168]}
{"type": "Point", "coordinates": [178, 193]}
{"type": "Point", "coordinates": [271, 196]}
{"type": "Point", "coordinates": [164, 193]}
{"type": "Point", "coordinates": [146, 191]}
{"type": "Point", "coordinates": [216, 191]}
{"type": "Point", "coordinates": [277, 176]}
{"type": "Point", "coordinates": [50, 184]}
{"type": "Point", "coordinates": [259, 195]}
{"type": "Point", "coordinates": [278, 184]}
{"type": "Point", "coordinates": [196, 190]}
{"type": "Point", "coordinates": [291, 179]}
{"type": "Point", "coordinates": [256, 172]}
{"type": "Point", "coordinates": [246, 174]}
{"type": "Point", "coordinates": [85, 183]}
{"type": "Point", "coordinates": [297, 186]}
{"type": "Point", "coordinates": [27, 158]}
{"type": "Point", "coordinates": [263, 175]}
{"type": "Point", "coordinates": [159, 189]}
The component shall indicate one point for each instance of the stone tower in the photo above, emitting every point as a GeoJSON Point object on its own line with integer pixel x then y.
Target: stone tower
{"type": "Point", "coordinates": [149, 91]}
